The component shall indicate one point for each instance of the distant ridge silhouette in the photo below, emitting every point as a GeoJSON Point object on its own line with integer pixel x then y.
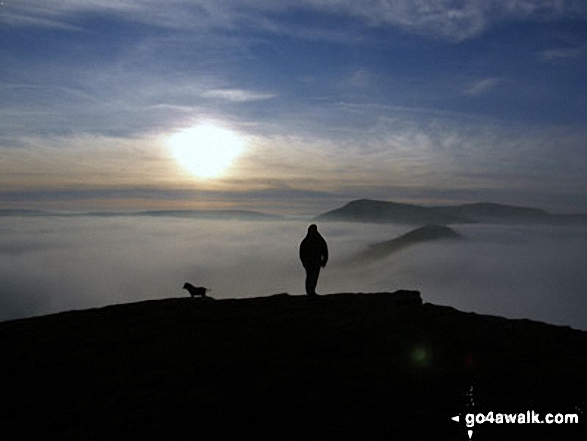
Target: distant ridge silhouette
{"type": "Point", "coordinates": [423, 234]}
{"type": "Point", "coordinates": [367, 210]}
{"type": "Point", "coordinates": [375, 211]}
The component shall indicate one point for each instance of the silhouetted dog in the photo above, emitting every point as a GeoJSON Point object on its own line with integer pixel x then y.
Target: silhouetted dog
{"type": "Point", "coordinates": [195, 290]}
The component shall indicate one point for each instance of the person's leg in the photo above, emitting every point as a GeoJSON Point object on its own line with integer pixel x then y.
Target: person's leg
{"type": "Point", "coordinates": [312, 280]}
{"type": "Point", "coordinates": [308, 280]}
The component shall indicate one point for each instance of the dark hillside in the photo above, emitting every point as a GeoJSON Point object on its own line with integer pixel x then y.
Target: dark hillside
{"type": "Point", "coordinates": [366, 210]}
{"type": "Point", "coordinates": [427, 233]}
{"type": "Point", "coordinates": [344, 366]}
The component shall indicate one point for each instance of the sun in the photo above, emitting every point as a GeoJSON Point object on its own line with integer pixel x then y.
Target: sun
{"type": "Point", "coordinates": [205, 150]}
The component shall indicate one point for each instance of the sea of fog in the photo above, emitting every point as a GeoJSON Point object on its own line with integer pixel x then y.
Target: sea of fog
{"type": "Point", "coordinates": [50, 264]}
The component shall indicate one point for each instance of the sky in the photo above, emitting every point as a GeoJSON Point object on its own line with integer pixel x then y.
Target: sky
{"type": "Point", "coordinates": [302, 105]}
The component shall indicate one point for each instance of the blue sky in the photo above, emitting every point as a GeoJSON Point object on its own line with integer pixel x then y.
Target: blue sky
{"type": "Point", "coordinates": [418, 101]}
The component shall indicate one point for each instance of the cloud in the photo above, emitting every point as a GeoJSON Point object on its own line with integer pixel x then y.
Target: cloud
{"type": "Point", "coordinates": [84, 161]}
{"type": "Point", "coordinates": [447, 158]}
{"type": "Point", "coordinates": [562, 54]}
{"type": "Point", "coordinates": [483, 86]}
{"type": "Point", "coordinates": [518, 272]}
{"type": "Point", "coordinates": [359, 78]}
{"type": "Point", "coordinates": [378, 115]}
{"type": "Point", "coordinates": [25, 19]}
{"type": "Point", "coordinates": [237, 95]}
{"type": "Point", "coordinates": [485, 161]}
{"type": "Point", "coordinates": [447, 19]}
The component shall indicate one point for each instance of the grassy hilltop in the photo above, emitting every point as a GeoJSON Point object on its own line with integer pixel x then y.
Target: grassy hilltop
{"type": "Point", "coordinates": [344, 366]}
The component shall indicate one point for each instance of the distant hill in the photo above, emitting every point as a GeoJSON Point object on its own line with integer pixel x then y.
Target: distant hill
{"type": "Point", "coordinates": [366, 210]}
{"type": "Point", "coordinates": [379, 366]}
{"type": "Point", "coordinates": [17, 212]}
{"type": "Point", "coordinates": [423, 234]}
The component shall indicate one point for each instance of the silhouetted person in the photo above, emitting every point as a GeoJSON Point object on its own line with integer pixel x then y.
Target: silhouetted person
{"type": "Point", "coordinates": [314, 255]}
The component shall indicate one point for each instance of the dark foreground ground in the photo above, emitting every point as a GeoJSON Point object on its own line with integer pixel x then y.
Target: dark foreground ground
{"type": "Point", "coordinates": [346, 366]}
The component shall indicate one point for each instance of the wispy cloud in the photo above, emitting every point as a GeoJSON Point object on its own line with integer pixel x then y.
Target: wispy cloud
{"type": "Point", "coordinates": [84, 161]}
{"type": "Point", "coordinates": [440, 18]}
{"type": "Point", "coordinates": [237, 95]}
{"type": "Point", "coordinates": [338, 97]}
{"type": "Point", "coordinates": [440, 155]}
{"type": "Point", "coordinates": [483, 86]}
{"type": "Point", "coordinates": [358, 79]}
{"type": "Point", "coordinates": [398, 159]}
{"type": "Point", "coordinates": [562, 53]}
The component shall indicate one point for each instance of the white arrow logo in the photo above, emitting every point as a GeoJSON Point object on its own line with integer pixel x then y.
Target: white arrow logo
{"type": "Point", "coordinates": [457, 419]}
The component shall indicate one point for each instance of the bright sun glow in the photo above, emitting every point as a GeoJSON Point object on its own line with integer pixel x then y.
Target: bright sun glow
{"type": "Point", "coordinates": [205, 150]}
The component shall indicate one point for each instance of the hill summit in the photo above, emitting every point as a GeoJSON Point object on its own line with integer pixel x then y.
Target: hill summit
{"type": "Point", "coordinates": [367, 210]}
{"type": "Point", "coordinates": [341, 366]}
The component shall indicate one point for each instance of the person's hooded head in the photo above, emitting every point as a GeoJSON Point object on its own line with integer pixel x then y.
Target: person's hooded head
{"type": "Point", "coordinates": [312, 229]}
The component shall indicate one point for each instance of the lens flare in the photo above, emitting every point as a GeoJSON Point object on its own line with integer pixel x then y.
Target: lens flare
{"type": "Point", "coordinates": [421, 356]}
